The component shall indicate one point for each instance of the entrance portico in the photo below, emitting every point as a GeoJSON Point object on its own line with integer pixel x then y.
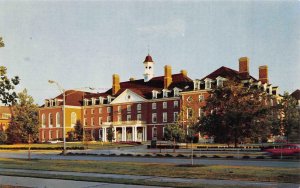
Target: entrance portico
{"type": "Point", "coordinates": [125, 133]}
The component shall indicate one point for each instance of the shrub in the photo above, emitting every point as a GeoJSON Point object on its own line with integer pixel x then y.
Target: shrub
{"type": "Point", "coordinates": [229, 157]}
{"type": "Point", "coordinates": [180, 155]}
{"type": "Point", "coordinates": [260, 157]}
{"type": "Point", "coordinates": [216, 156]}
{"type": "Point", "coordinates": [203, 156]}
{"type": "Point", "coordinates": [246, 157]}
{"type": "Point", "coordinates": [147, 155]}
{"type": "Point", "coordinates": [159, 155]}
{"type": "Point", "coordinates": [168, 155]}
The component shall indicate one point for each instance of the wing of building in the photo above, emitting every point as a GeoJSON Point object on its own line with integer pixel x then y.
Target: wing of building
{"type": "Point", "coordinates": [139, 109]}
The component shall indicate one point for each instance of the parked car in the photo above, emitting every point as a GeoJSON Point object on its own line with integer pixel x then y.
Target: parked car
{"type": "Point", "coordinates": [284, 150]}
{"type": "Point", "coordinates": [54, 141]}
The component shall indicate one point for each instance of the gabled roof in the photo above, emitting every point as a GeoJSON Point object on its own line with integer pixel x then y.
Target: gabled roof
{"type": "Point", "coordinates": [228, 73]}
{"type": "Point", "coordinates": [296, 94]}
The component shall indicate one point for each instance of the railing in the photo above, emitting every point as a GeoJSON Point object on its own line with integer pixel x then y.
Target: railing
{"type": "Point", "coordinates": [128, 122]}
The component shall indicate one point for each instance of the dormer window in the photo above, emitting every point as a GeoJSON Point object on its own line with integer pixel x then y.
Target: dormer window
{"type": "Point", "coordinates": [109, 99]}
{"type": "Point", "coordinates": [265, 87]}
{"type": "Point", "coordinates": [207, 83]}
{"type": "Point", "coordinates": [85, 102]}
{"type": "Point", "coordinates": [270, 89]}
{"type": "Point", "coordinates": [220, 81]}
{"type": "Point", "coordinates": [51, 102]}
{"type": "Point", "coordinates": [196, 84]}
{"type": "Point", "coordinates": [154, 94]}
{"type": "Point", "coordinates": [101, 99]}
{"type": "Point", "coordinates": [176, 91]}
{"type": "Point", "coordinates": [46, 103]}
{"type": "Point", "coordinates": [93, 101]}
{"type": "Point", "coordinates": [165, 93]}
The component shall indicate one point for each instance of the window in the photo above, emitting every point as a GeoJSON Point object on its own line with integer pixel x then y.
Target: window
{"type": "Point", "coordinates": [108, 109]}
{"type": "Point", "coordinates": [119, 109]}
{"type": "Point", "coordinates": [128, 117]}
{"type": "Point", "coordinates": [100, 110]}
{"type": "Point", "coordinates": [119, 118]}
{"type": "Point", "coordinates": [128, 108]}
{"type": "Point", "coordinates": [153, 106]}
{"type": "Point", "coordinates": [57, 119]}
{"type": "Point", "coordinates": [154, 94]}
{"type": "Point", "coordinates": [189, 113]}
{"type": "Point", "coordinates": [154, 119]}
{"type": "Point", "coordinates": [51, 102]}
{"type": "Point", "coordinates": [92, 121]}
{"type": "Point", "coordinates": [92, 111]}
{"type": "Point", "coordinates": [175, 116]}
{"type": "Point", "coordinates": [139, 107]}
{"type": "Point", "coordinates": [84, 111]}
{"type": "Point", "coordinates": [219, 83]}
{"type": "Point", "coordinates": [165, 105]}
{"type": "Point", "coordinates": [207, 84]}
{"type": "Point", "coordinates": [201, 98]}
{"type": "Point", "coordinates": [73, 119]}
{"type": "Point", "coordinates": [175, 104]}
{"type": "Point", "coordinates": [100, 120]}
{"type": "Point", "coordinates": [50, 120]}
{"type": "Point", "coordinates": [101, 100]}
{"type": "Point", "coordinates": [165, 117]}
{"type": "Point", "coordinates": [165, 93]}
{"type": "Point", "coordinates": [84, 122]}
{"type": "Point", "coordinates": [93, 101]}
{"type": "Point", "coordinates": [108, 118]}
{"type": "Point", "coordinates": [201, 113]}
{"type": "Point", "coordinates": [46, 103]}
{"type": "Point", "coordinates": [57, 133]}
{"type": "Point", "coordinates": [176, 92]}
{"type": "Point", "coordinates": [139, 117]}
{"type": "Point", "coordinates": [154, 132]}
{"type": "Point", "coordinates": [43, 135]}
{"type": "Point", "coordinates": [196, 84]}
{"type": "Point", "coordinates": [43, 120]}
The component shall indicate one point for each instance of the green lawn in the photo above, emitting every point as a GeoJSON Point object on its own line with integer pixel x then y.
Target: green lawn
{"type": "Point", "coordinates": [291, 175]}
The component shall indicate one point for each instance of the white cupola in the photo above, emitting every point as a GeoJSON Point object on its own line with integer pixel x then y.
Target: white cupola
{"type": "Point", "coordinates": [149, 68]}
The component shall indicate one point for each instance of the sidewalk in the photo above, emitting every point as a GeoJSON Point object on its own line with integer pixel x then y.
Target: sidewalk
{"type": "Point", "coordinates": [162, 179]}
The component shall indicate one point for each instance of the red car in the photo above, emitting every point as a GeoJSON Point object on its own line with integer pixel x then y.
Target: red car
{"type": "Point", "coordinates": [285, 150]}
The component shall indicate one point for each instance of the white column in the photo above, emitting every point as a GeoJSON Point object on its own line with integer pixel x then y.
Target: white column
{"type": "Point", "coordinates": [104, 134]}
{"type": "Point", "coordinates": [145, 138]}
{"type": "Point", "coordinates": [125, 134]}
{"type": "Point", "coordinates": [134, 133]}
{"type": "Point", "coordinates": [122, 137]}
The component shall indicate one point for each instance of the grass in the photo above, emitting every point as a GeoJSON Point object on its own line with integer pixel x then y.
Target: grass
{"type": "Point", "coordinates": [247, 173]}
{"type": "Point", "coordinates": [119, 181]}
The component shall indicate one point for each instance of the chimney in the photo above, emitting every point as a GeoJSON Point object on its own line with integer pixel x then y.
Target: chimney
{"type": "Point", "coordinates": [263, 74]}
{"type": "Point", "coordinates": [183, 72]}
{"type": "Point", "coordinates": [116, 84]}
{"type": "Point", "coordinates": [244, 65]}
{"type": "Point", "coordinates": [168, 76]}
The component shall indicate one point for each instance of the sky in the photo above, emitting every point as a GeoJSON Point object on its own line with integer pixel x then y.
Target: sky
{"type": "Point", "coordinates": [82, 43]}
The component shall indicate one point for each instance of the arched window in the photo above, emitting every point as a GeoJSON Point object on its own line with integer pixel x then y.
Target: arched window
{"type": "Point", "coordinates": [50, 120]}
{"type": "Point", "coordinates": [43, 120]}
{"type": "Point", "coordinates": [73, 119]}
{"type": "Point", "coordinates": [57, 119]}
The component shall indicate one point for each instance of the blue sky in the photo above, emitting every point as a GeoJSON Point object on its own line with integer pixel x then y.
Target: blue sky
{"type": "Point", "coordinates": [82, 43]}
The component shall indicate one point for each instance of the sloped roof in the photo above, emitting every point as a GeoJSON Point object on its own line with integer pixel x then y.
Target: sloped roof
{"type": "Point", "coordinates": [296, 94]}
{"type": "Point", "coordinates": [228, 73]}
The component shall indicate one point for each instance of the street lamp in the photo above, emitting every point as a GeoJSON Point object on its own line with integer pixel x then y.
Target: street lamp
{"type": "Point", "coordinates": [64, 113]}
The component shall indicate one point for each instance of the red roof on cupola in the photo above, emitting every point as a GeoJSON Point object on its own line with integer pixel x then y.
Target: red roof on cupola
{"type": "Point", "coordinates": [148, 58]}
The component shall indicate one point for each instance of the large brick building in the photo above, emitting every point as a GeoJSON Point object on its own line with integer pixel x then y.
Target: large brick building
{"type": "Point", "coordinates": [139, 109]}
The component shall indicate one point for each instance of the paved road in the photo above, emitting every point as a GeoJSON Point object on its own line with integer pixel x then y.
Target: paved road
{"type": "Point", "coordinates": [54, 183]}
{"type": "Point", "coordinates": [264, 163]}
{"type": "Point", "coordinates": [57, 183]}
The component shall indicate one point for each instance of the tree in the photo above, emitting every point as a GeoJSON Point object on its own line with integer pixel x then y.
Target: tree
{"type": "Point", "coordinates": [290, 117]}
{"type": "Point", "coordinates": [78, 131]}
{"type": "Point", "coordinates": [174, 132]}
{"type": "Point", "coordinates": [235, 113]}
{"type": "Point", "coordinates": [24, 123]}
{"type": "Point", "coordinates": [1, 43]}
{"type": "Point", "coordinates": [7, 95]}
{"type": "Point", "coordinates": [3, 137]}
{"type": "Point", "coordinates": [110, 133]}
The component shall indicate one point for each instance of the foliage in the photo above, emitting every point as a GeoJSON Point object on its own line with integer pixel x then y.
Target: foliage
{"type": "Point", "coordinates": [235, 113]}
{"type": "Point", "coordinates": [290, 117]}
{"type": "Point", "coordinates": [78, 131]}
{"type": "Point", "coordinates": [110, 133]}
{"type": "Point", "coordinates": [24, 123]}
{"type": "Point", "coordinates": [3, 137]}
{"type": "Point", "coordinates": [174, 131]}
{"type": "Point", "coordinates": [1, 43]}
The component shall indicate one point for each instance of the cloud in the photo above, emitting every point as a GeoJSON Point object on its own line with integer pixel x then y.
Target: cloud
{"type": "Point", "coordinates": [173, 28]}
